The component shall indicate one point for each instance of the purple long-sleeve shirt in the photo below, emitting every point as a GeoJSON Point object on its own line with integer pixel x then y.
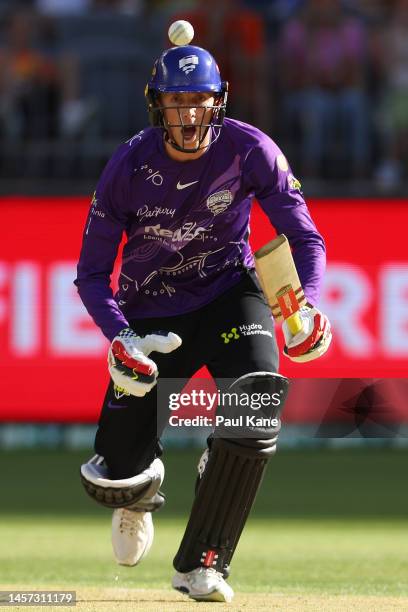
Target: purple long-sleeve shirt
{"type": "Point", "coordinates": [187, 225]}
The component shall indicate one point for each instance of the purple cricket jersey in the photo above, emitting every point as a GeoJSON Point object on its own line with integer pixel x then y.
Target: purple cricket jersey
{"type": "Point", "coordinates": [187, 225]}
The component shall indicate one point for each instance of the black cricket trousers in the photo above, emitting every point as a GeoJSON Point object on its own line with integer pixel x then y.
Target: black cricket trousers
{"type": "Point", "coordinates": [233, 335]}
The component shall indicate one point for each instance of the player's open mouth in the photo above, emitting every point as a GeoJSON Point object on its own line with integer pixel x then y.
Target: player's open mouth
{"type": "Point", "coordinates": [189, 133]}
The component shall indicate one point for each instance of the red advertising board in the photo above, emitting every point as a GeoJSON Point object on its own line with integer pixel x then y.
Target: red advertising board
{"type": "Point", "coordinates": [53, 358]}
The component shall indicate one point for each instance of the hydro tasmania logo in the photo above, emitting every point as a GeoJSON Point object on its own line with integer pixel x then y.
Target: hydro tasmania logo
{"type": "Point", "coordinates": [188, 63]}
{"type": "Point", "coordinates": [218, 202]}
{"type": "Point", "coordinates": [254, 329]}
{"type": "Point", "coordinates": [232, 335]}
{"type": "Point", "coordinates": [250, 329]}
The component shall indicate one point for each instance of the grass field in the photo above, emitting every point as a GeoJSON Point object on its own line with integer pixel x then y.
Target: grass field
{"type": "Point", "coordinates": [329, 532]}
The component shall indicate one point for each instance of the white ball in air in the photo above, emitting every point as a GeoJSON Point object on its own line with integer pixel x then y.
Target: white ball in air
{"type": "Point", "coordinates": [181, 32]}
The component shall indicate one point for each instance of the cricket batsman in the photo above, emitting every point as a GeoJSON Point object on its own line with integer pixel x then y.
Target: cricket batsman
{"type": "Point", "coordinates": [182, 191]}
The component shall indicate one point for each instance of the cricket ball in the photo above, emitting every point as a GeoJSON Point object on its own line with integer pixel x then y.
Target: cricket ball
{"type": "Point", "coordinates": [181, 32]}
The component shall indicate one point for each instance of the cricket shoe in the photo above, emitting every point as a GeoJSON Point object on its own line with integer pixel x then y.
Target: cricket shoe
{"type": "Point", "coordinates": [132, 535]}
{"type": "Point", "coordinates": [203, 584]}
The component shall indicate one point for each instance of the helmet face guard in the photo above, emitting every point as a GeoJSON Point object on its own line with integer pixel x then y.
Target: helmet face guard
{"type": "Point", "coordinates": [187, 69]}
{"type": "Point", "coordinates": [158, 119]}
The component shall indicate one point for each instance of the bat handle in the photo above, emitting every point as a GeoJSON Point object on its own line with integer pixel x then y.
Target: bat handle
{"type": "Point", "coordinates": [289, 306]}
{"type": "Point", "coordinates": [295, 323]}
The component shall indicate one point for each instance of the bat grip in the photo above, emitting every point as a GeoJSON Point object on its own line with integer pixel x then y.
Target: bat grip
{"type": "Point", "coordinates": [294, 323]}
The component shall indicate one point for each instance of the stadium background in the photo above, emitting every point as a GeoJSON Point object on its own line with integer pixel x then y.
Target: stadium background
{"type": "Point", "coordinates": [72, 76]}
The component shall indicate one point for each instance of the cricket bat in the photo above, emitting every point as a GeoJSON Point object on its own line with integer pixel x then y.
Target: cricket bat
{"type": "Point", "coordinates": [280, 281]}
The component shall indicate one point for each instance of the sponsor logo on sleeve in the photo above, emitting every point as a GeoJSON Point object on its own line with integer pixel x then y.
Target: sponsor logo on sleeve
{"type": "Point", "coordinates": [294, 183]}
{"type": "Point", "coordinates": [94, 212]}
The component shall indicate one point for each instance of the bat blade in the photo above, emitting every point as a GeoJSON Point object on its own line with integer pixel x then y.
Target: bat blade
{"type": "Point", "coordinates": [280, 282]}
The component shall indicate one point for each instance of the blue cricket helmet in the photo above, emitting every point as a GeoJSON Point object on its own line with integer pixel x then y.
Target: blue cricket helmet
{"type": "Point", "coordinates": [185, 69]}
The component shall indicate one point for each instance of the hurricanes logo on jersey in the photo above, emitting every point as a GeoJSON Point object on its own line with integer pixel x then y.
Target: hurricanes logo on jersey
{"type": "Point", "coordinates": [218, 202]}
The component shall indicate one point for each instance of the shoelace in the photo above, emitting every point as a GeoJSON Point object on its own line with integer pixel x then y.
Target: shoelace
{"type": "Point", "coordinates": [128, 520]}
{"type": "Point", "coordinates": [206, 570]}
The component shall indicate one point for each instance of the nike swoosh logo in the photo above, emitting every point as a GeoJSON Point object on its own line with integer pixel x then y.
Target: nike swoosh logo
{"type": "Point", "coordinates": [116, 406]}
{"type": "Point", "coordinates": [180, 186]}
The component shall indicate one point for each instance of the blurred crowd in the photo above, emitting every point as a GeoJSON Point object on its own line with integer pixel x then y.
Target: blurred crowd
{"type": "Point", "coordinates": [328, 79]}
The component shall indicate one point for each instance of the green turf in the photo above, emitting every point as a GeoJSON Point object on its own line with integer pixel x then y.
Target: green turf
{"type": "Point", "coordinates": [325, 522]}
{"type": "Point", "coordinates": [316, 483]}
{"type": "Point", "coordinates": [281, 556]}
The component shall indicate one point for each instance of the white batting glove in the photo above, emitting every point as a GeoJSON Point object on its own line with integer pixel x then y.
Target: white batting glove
{"type": "Point", "coordinates": [129, 365]}
{"type": "Point", "coordinates": [312, 341]}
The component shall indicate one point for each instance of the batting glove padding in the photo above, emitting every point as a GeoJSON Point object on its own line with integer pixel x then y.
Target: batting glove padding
{"type": "Point", "coordinates": [312, 341]}
{"type": "Point", "coordinates": [129, 365]}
